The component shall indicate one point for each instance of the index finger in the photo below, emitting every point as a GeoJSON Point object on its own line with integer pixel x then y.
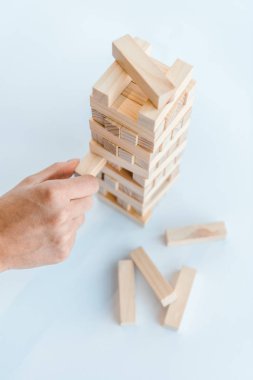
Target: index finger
{"type": "Point", "coordinates": [79, 187]}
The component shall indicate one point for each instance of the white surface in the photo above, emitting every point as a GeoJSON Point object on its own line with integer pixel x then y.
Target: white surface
{"type": "Point", "coordinates": [58, 322]}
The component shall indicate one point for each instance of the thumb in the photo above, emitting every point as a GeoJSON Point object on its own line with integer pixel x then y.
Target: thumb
{"type": "Point", "coordinates": [58, 170]}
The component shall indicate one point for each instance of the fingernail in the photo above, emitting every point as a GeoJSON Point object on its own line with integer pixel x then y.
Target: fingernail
{"type": "Point", "coordinates": [73, 159]}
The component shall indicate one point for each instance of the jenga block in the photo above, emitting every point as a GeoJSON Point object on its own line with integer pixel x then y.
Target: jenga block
{"type": "Point", "coordinates": [123, 204]}
{"type": "Point", "coordinates": [112, 201]}
{"type": "Point", "coordinates": [131, 137]}
{"type": "Point", "coordinates": [127, 107]}
{"type": "Point", "coordinates": [143, 70]}
{"type": "Point", "coordinates": [114, 80]}
{"type": "Point", "coordinates": [133, 92]}
{"type": "Point", "coordinates": [98, 116]}
{"type": "Point", "coordinates": [126, 283]}
{"type": "Point", "coordinates": [124, 141]}
{"type": "Point", "coordinates": [90, 164]}
{"type": "Point", "coordinates": [162, 289]}
{"type": "Point", "coordinates": [111, 182]}
{"type": "Point", "coordinates": [125, 155]}
{"type": "Point", "coordinates": [111, 126]}
{"type": "Point", "coordinates": [196, 233]}
{"type": "Point", "coordinates": [183, 287]}
{"type": "Point", "coordinates": [180, 74]}
{"type": "Point", "coordinates": [112, 148]}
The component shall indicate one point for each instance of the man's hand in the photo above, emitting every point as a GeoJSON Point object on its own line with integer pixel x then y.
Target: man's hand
{"type": "Point", "coordinates": [40, 217]}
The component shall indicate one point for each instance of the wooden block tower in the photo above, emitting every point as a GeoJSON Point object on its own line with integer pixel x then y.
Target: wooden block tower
{"type": "Point", "coordinates": [140, 116]}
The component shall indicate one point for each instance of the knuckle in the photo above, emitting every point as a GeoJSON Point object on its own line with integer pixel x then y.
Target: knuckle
{"type": "Point", "coordinates": [49, 193]}
{"type": "Point", "coordinates": [59, 218]}
{"type": "Point", "coordinates": [62, 254]}
{"type": "Point", "coordinates": [28, 180]}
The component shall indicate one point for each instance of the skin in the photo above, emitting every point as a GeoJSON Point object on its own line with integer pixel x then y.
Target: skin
{"type": "Point", "coordinates": [39, 218]}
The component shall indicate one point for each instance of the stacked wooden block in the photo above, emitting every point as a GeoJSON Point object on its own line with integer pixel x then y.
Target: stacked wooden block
{"type": "Point", "coordinates": [140, 116]}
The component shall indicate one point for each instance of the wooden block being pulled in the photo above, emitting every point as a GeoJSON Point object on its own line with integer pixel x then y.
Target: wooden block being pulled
{"type": "Point", "coordinates": [162, 288]}
{"type": "Point", "coordinates": [149, 77]}
{"type": "Point", "coordinates": [90, 164]}
{"type": "Point", "coordinates": [114, 80]}
{"type": "Point", "coordinates": [195, 233]}
{"type": "Point", "coordinates": [183, 287]}
{"type": "Point", "coordinates": [126, 283]}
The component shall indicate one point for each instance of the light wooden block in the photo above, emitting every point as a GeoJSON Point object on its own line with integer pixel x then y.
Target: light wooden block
{"type": "Point", "coordinates": [175, 312]}
{"type": "Point", "coordinates": [162, 288]}
{"type": "Point", "coordinates": [143, 70]}
{"type": "Point", "coordinates": [111, 200]}
{"type": "Point", "coordinates": [126, 283]}
{"type": "Point", "coordinates": [90, 164]}
{"type": "Point", "coordinates": [114, 80]}
{"type": "Point", "coordinates": [195, 233]}
{"type": "Point", "coordinates": [180, 74]}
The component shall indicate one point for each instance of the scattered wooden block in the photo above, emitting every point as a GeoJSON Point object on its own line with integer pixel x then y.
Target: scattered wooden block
{"type": "Point", "coordinates": [126, 283]}
{"type": "Point", "coordinates": [90, 164]}
{"type": "Point", "coordinates": [196, 233]}
{"type": "Point", "coordinates": [162, 289]}
{"type": "Point", "coordinates": [183, 287]}
{"type": "Point", "coordinates": [143, 70]}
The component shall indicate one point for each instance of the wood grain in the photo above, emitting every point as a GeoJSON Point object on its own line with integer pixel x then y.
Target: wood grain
{"type": "Point", "coordinates": [162, 288]}
{"type": "Point", "coordinates": [183, 287]}
{"type": "Point", "coordinates": [153, 81]}
{"type": "Point", "coordinates": [126, 283]}
{"type": "Point", "coordinates": [195, 233]}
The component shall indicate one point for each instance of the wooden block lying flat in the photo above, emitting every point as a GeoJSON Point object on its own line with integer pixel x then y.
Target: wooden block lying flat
{"type": "Point", "coordinates": [143, 70]}
{"type": "Point", "coordinates": [114, 80]}
{"type": "Point", "coordinates": [126, 283]}
{"type": "Point", "coordinates": [196, 233]}
{"type": "Point", "coordinates": [183, 287]}
{"type": "Point", "coordinates": [162, 289]}
{"type": "Point", "coordinates": [90, 164]}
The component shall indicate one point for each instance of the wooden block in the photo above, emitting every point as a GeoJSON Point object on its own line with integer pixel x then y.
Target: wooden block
{"type": "Point", "coordinates": [196, 233]}
{"type": "Point", "coordinates": [123, 204]}
{"type": "Point", "coordinates": [112, 201]}
{"type": "Point", "coordinates": [126, 283]}
{"type": "Point", "coordinates": [123, 163]}
{"type": "Point", "coordinates": [180, 74]}
{"type": "Point", "coordinates": [126, 135]}
{"type": "Point", "coordinates": [111, 126]}
{"type": "Point", "coordinates": [127, 108]}
{"type": "Point", "coordinates": [133, 92]}
{"type": "Point", "coordinates": [162, 289]}
{"type": "Point", "coordinates": [183, 287]}
{"type": "Point", "coordinates": [124, 141]}
{"type": "Point", "coordinates": [111, 182]}
{"type": "Point", "coordinates": [90, 164]}
{"type": "Point", "coordinates": [110, 147]}
{"type": "Point", "coordinates": [114, 80]}
{"type": "Point", "coordinates": [146, 144]}
{"type": "Point", "coordinates": [125, 155]}
{"type": "Point", "coordinates": [98, 116]}
{"type": "Point", "coordinates": [143, 70]}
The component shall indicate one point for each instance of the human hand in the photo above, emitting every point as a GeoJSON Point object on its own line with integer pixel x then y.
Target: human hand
{"type": "Point", "coordinates": [39, 218]}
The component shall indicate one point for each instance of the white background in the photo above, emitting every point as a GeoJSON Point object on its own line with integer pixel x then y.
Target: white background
{"type": "Point", "coordinates": [59, 322]}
